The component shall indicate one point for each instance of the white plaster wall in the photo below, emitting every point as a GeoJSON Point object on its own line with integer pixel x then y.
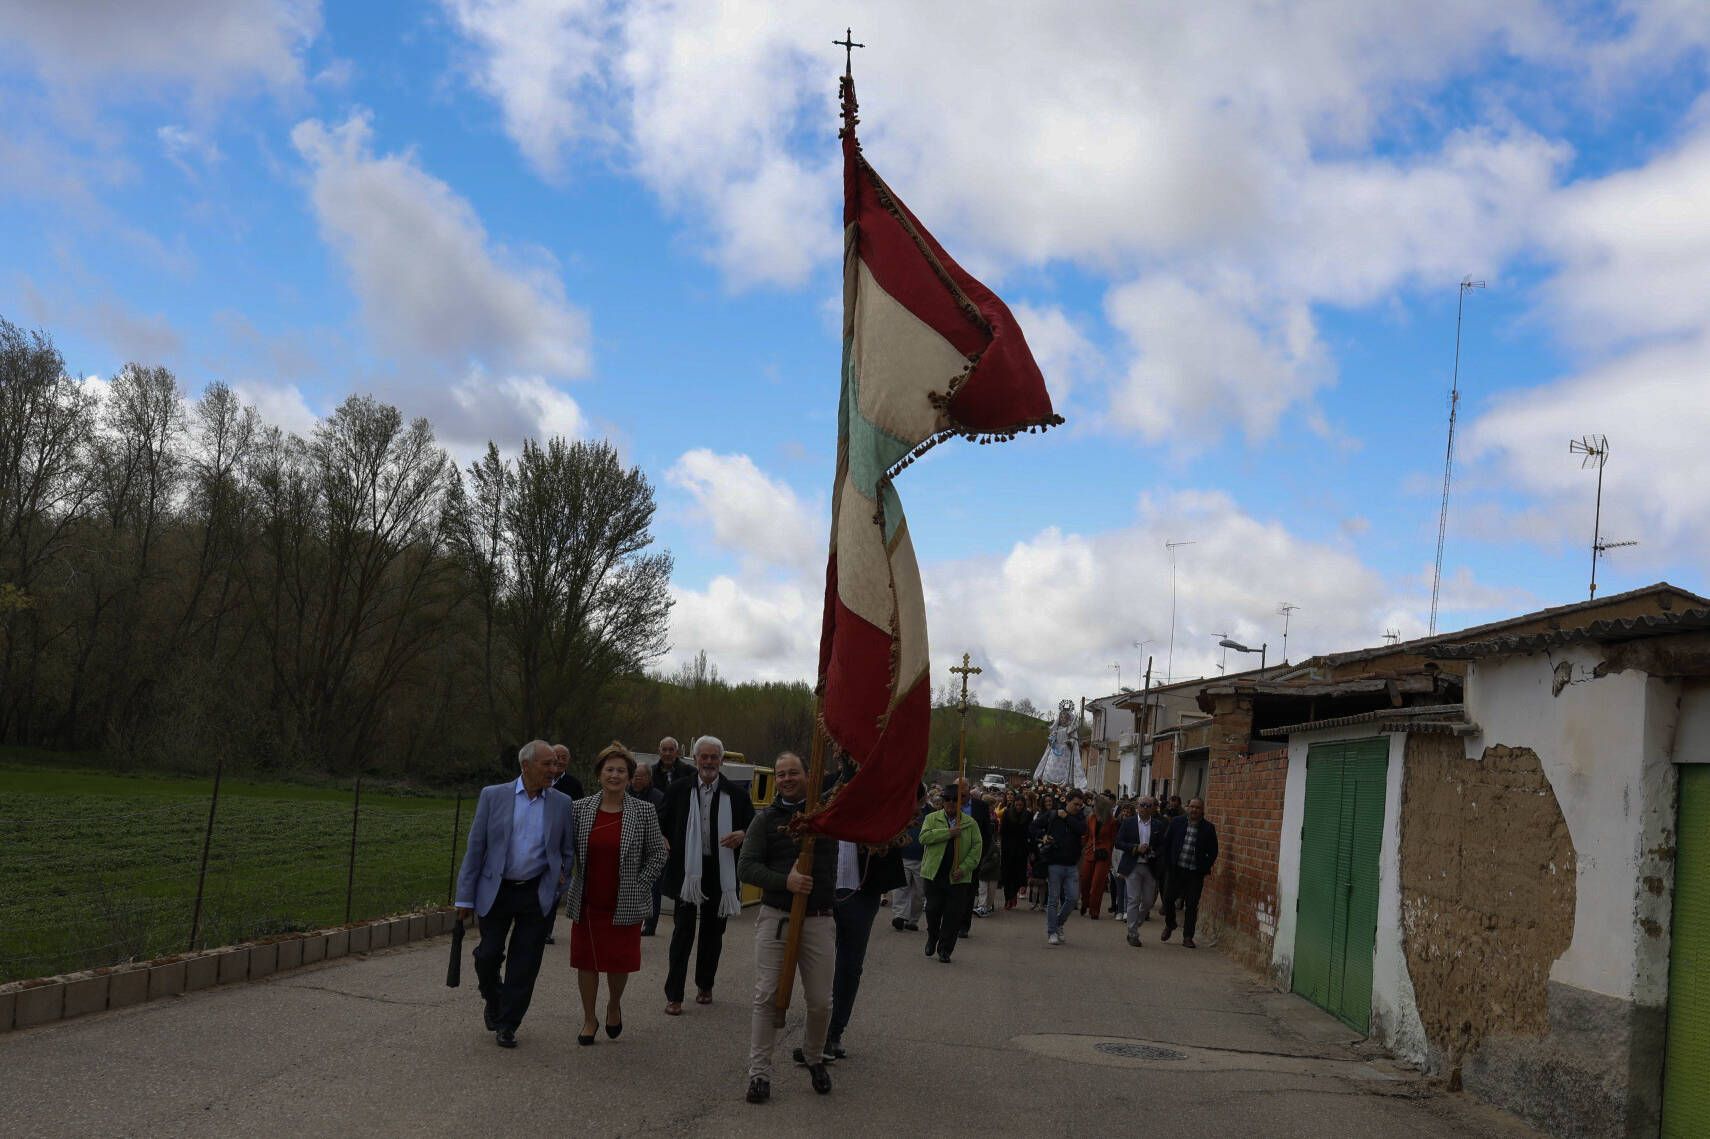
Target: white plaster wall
{"type": "Point", "coordinates": [1395, 1009]}
{"type": "Point", "coordinates": [1600, 747]}
{"type": "Point", "coordinates": [1692, 733]}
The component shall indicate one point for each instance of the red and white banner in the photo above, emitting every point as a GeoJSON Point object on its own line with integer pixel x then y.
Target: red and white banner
{"type": "Point", "coordinates": [928, 353]}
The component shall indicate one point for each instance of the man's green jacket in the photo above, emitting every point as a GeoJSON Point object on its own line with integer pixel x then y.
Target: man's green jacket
{"type": "Point", "coordinates": [935, 839]}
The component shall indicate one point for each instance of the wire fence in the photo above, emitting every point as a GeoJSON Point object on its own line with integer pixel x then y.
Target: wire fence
{"type": "Point", "coordinates": [100, 879]}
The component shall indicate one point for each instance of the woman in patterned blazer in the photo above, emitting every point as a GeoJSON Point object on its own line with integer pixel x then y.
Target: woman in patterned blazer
{"type": "Point", "coordinates": [620, 853]}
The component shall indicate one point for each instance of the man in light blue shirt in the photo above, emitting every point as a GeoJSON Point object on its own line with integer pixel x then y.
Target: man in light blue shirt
{"type": "Point", "coordinates": [521, 846]}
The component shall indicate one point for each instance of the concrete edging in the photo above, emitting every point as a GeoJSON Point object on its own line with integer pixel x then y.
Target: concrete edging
{"type": "Point", "coordinates": [45, 1000]}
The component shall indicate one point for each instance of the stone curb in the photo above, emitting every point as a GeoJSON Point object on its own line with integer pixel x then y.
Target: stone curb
{"type": "Point", "coordinates": [45, 1000]}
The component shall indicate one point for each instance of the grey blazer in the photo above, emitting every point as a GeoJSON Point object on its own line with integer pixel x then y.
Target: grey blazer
{"type": "Point", "coordinates": [641, 858]}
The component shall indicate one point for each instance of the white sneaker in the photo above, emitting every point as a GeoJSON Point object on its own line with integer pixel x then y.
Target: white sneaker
{"type": "Point", "coordinates": [1055, 939]}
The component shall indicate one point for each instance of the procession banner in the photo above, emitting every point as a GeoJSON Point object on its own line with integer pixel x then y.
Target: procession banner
{"type": "Point", "coordinates": [928, 353]}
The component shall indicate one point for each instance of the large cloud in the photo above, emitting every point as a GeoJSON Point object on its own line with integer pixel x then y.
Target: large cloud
{"type": "Point", "coordinates": [435, 290]}
{"type": "Point", "coordinates": [1221, 172]}
{"type": "Point", "coordinates": [1630, 249]}
{"type": "Point", "coordinates": [1048, 618]}
{"type": "Point", "coordinates": [209, 46]}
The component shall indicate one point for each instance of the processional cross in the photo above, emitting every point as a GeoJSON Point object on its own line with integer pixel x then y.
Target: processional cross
{"type": "Point", "coordinates": [966, 670]}
{"type": "Point", "coordinates": [848, 44]}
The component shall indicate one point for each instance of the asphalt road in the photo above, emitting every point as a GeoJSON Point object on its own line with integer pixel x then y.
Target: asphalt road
{"type": "Point", "coordinates": [1012, 1038]}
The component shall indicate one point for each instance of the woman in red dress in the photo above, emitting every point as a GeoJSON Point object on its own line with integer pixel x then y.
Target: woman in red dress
{"type": "Point", "coordinates": [620, 853]}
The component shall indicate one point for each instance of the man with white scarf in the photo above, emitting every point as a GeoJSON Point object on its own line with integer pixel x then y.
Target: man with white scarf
{"type": "Point", "coordinates": [705, 820]}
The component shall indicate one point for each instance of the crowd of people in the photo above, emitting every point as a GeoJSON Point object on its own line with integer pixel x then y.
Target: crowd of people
{"type": "Point", "coordinates": [1067, 849]}
{"type": "Point", "coordinates": [681, 829]}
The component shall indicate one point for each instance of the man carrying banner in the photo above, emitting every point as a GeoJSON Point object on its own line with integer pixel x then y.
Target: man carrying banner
{"type": "Point", "coordinates": [768, 861]}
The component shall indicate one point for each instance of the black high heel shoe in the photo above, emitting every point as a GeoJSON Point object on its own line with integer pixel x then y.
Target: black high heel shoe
{"type": "Point", "coordinates": [614, 1030]}
{"type": "Point", "coordinates": [588, 1039]}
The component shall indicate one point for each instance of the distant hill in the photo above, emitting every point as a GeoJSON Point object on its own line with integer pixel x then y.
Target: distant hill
{"type": "Point", "coordinates": [996, 738]}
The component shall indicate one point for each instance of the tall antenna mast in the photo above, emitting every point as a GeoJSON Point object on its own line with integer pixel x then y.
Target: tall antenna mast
{"type": "Point", "coordinates": [1595, 448]}
{"type": "Point", "coordinates": [1170, 654]}
{"type": "Point", "coordinates": [1467, 283]}
{"type": "Point", "coordinates": [1285, 610]}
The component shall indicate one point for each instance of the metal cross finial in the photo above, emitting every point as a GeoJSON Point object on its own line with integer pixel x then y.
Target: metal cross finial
{"type": "Point", "coordinates": [848, 44]}
{"type": "Point", "coordinates": [965, 671]}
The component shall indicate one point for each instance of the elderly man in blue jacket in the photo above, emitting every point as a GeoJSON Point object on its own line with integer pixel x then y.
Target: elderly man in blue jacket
{"type": "Point", "coordinates": [521, 845]}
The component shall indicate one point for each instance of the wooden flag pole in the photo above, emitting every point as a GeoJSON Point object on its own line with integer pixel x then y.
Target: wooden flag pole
{"type": "Point", "coordinates": [804, 865]}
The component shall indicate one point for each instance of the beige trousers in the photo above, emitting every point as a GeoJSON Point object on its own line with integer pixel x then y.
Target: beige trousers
{"type": "Point", "coordinates": [814, 966]}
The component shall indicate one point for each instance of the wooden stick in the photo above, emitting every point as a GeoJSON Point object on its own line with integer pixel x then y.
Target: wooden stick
{"type": "Point", "coordinates": [804, 865]}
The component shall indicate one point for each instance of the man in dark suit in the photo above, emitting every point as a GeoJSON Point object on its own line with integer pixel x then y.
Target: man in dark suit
{"type": "Point", "coordinates": [521, 846]}
{"type": "Point", "coordinates": [705, 820]}
{"type": "Point", "coordinates": [1190, 851]}
{"type": "Point", "coordinates": [565, 784]}
{"type": "Point", "coordinates": [671, 767]}
{"type": "Point", "coordinates": [1140, 841]}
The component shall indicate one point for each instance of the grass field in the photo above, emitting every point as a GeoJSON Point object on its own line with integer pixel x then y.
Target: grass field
{"type": "Point", "coordinates": [99, 868]}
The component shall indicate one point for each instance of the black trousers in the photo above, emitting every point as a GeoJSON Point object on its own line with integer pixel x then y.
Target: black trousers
{"type": "Point", "coordinates": [854, 914]}
{"type": "Point", "coordinates": [1183, 886]}
{"type": "Point", "coordinates": [944, 907]}
{"type": "Point", "coordinates": [515, 915]}
{"type": "Point", "coordinates": [706, 916]}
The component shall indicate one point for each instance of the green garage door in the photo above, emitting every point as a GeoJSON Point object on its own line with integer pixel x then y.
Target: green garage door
{"type": "Point", "coordinates": [1686, 1065]}
{"type": "Point", "coordinates": [1336, 926]}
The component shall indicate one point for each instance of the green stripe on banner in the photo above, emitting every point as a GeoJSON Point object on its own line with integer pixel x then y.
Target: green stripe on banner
{"type": "Point", "coordinates": [872, 450]}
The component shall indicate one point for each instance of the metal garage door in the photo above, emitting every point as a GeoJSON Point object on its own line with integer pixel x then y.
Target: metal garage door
{"type": "Point", "coordinates": [1336, 928]}
{"type": "Point", "coordinates": [1686, 1065]}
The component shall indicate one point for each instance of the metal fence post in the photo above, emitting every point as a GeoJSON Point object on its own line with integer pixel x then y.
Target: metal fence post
{"type": "Point", "coordinates": [207, 841]}
{"type": "Point", "coordinates": [350, 874]}
{"type": "Point", "coordinates": [451, 877]}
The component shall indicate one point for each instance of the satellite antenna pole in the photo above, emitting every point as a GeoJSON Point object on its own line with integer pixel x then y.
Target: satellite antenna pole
{"type": "Point", "coordinates": [1467, 283]}
{"type": "Point", "coordinates": [1285, 610]}
{"type": "Point", "coordinates": [1595, 448]}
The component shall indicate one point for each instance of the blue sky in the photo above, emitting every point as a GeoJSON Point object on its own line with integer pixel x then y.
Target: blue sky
{"type": "Point", "coordinates": [1232, 233]}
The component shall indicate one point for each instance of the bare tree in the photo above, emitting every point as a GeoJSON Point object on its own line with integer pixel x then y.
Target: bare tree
{"type": "Point", "coordinates": [44, 421]}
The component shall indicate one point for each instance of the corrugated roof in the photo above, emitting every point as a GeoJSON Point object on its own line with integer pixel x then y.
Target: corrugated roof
{"type": "Point", "coordinates": [1481, 632]}
{"type": "Point", "coordinates": [1613, 629]}
{"type": "Point", "coordinates": [1422, 718]}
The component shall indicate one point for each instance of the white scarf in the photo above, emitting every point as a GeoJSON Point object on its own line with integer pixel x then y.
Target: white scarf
{"type": "Point", "coordinates": [730, 902]}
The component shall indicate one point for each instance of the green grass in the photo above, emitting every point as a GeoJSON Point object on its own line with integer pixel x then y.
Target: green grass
{"type": "Point", "coordinates": [101, 867]}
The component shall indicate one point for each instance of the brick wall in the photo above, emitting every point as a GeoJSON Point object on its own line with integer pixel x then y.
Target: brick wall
{"type": "Point", "coordinates": [1244, 798]}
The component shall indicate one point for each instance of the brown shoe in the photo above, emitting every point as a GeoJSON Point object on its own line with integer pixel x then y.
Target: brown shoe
{"type": "Point", "coordinates": [1187, 943]}
{"type": "Point", "coordinates": [703, 997]}
{"type": "Point", "coordinates": [673, 1008]}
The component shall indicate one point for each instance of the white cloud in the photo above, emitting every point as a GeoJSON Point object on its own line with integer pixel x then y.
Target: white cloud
{"type": "Point", "coordinates": [1048, 618]}
{"type": "Point", "coordinates": [279, 405]}
{"type": "Point", "coordinates": [209, 46]}
{"type": "Point", "coordinates": [1630, 249]}
{"type": "Point", "coordinates": [1207, 357]}
{"type": "Point", "coordinates": [750, 513]}
{"type": "Point", "coordinates": [435, 290]}
{"type": "Point", "coordinates": [185, 148]}
{"type": "Point", "coordinates": [1650, 403]}
{"type": "Point", "coordinates": [1180, 152]}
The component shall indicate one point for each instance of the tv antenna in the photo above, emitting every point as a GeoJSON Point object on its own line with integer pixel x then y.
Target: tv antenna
{"type": "Point", "coordinates": [1392, 635]}
{"type": "Point", "coordinates": [1223, 662]}
{"type": "Point", "coordinates": [1467, 284]}
{"type": "Point", "coordinates": [1285, 610]}
{"type": "Point", "coordinates": [1170, 653]}
{"type": "Point", "coordinates": [1595, 448]}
